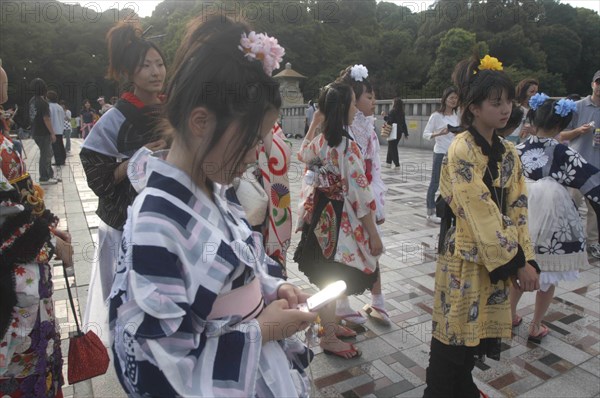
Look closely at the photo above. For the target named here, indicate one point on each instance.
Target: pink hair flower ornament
(264, 48)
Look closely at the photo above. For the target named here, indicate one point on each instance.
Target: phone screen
(325, 296)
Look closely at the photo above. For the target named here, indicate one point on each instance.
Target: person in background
(86, 118)
(42, 131)
(104, 106)
(113, 141)
(57, 117)
(583, 134)
(67, 127)
(396, 116)
(526, 89)
(437, 128)
(310, 113)
(76, 126)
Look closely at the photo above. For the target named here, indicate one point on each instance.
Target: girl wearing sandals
(554, 222)
(194, 310)
(362, 131)
(485, 240)
(107, 150)
(341, 241)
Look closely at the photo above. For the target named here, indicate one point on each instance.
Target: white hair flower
(263, 48)
(359, 72)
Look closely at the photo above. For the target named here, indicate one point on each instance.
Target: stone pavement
(565, 364)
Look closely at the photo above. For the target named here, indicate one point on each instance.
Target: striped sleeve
(177, 271)
(99, 170)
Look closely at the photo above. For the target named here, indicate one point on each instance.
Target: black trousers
(58, 147)
(450, 372)
(392, 153)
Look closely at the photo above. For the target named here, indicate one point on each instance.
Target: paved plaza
(394, 358)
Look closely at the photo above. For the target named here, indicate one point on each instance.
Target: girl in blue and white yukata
(554, 222)
(196, 307)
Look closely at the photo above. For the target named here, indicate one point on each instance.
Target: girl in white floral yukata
(362, 131)
(340, 241)
(554, 223)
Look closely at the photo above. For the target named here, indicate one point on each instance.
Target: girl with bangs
(195, 308)
(340, 240)
(485, 246)
(106, 153)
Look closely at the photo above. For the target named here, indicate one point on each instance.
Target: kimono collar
(362, 127)
(218, 203)
(493, 152)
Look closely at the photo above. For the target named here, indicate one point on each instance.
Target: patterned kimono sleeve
(356, 186)
(481, 236)
(517, 207)
(168, 346)
(378, 187)
(309, 150)
(574, 171)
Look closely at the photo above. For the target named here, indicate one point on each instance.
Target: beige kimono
(467, 306)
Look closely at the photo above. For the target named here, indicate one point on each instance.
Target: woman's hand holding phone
(278, 321)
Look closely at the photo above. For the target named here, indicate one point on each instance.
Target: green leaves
(410, 51)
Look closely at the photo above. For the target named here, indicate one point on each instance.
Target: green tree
(515, 47)
(562, 47)
(456, 45)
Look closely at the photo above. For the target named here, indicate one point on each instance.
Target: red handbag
(87, 355)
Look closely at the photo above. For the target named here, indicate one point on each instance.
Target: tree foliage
(409, 51)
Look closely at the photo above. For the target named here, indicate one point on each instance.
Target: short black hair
(545, 117)
(52, 96)
(38, 86)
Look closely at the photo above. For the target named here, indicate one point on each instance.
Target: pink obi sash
(246, 301)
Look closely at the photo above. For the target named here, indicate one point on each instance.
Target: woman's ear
(200, 122)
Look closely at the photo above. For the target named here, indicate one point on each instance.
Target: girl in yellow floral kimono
(484, 236)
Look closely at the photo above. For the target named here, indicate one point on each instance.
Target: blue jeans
(67, 134)
(45, 145)
(435, 180)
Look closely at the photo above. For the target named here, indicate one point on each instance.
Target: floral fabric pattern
(555, 225)
(346, 164)
(12, 164)
(363, 132)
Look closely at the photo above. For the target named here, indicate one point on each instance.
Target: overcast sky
(144, 8)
